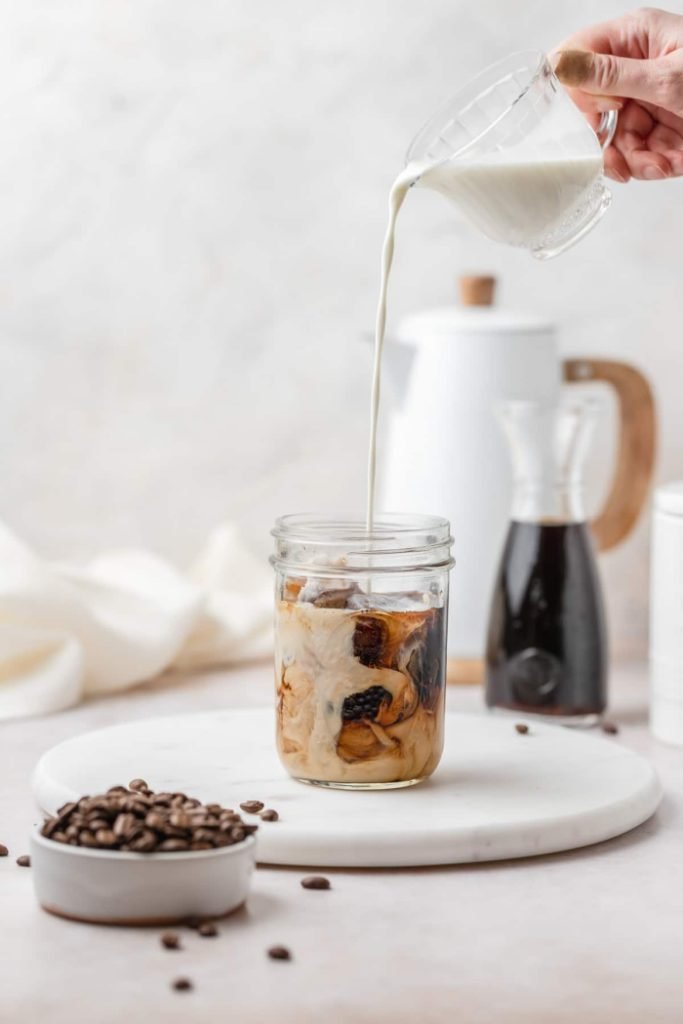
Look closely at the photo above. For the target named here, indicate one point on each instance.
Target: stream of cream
(399, 191)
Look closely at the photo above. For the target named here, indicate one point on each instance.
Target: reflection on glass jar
(360, 656)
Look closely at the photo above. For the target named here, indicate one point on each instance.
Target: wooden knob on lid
(477, 290)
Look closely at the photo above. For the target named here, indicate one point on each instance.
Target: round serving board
(496, 794)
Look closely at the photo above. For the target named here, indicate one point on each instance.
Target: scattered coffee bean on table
(522, 728)
(279, 953)
(170, 940)
(182, 984)
(24, 861)
(269, 815)
(611, 728)
(207, 929)
(3, 850)
(252, 806)
(315, 882)
(137, 820)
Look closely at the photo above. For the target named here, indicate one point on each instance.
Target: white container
(666, 615)
(446, 452)
(114, 887)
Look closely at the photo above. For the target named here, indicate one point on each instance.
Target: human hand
(633, 64)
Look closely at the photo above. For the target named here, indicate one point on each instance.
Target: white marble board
(497, 794)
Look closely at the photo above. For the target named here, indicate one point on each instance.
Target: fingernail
(572, 67)
(653, 173)
(604, 104)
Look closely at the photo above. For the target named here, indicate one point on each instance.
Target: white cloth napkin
(68, 632)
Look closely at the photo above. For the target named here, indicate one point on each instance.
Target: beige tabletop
(595, 935)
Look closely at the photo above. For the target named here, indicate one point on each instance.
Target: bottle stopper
(476, 290)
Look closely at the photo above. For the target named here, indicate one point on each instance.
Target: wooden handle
(465, 671)
(637, 445)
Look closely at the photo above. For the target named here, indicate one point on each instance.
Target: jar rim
(339, 545)
(321, 528)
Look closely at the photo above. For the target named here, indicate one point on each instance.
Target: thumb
(605, 75)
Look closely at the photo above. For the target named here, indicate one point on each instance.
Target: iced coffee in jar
(360, 648)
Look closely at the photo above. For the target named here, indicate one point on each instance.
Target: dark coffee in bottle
(547, 646)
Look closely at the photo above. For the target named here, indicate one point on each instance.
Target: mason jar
(360, 648)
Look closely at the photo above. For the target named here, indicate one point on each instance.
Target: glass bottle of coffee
(547, 645)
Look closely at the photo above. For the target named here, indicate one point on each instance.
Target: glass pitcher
(547, 645)
(517, 156)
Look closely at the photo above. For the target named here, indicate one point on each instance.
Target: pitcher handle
(606, 128)
(636, 450)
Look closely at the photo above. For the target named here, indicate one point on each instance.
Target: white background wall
(192, 200)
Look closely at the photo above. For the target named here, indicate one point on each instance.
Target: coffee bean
(203, 835)
(145, 842)
(252, 806)
(86, 838)
(201, 846)
(105, 837)
(611, 728)
(162, 799)
(66, 810)
(138, 785)
(97, 824)
(207, 929)
(214, 808)
(180, 820)
(156, 821)
(121, 790)
(228, 821)
(173, 845)
(59, 837)
(3, 850)
(132, 805)
(182, 984)
(269, 815)
(96, 803)
(124, 824)
(238, 834)
(315, 882)
(24, 861)
(279, 953)
(170, 940)
(522, 728)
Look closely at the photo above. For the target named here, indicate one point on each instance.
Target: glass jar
(360, 648)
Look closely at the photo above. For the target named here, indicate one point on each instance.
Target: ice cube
(339, 597)
(414, 601)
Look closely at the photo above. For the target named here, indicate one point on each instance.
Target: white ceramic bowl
(109, 887)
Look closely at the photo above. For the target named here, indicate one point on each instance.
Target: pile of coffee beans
(133, 818)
